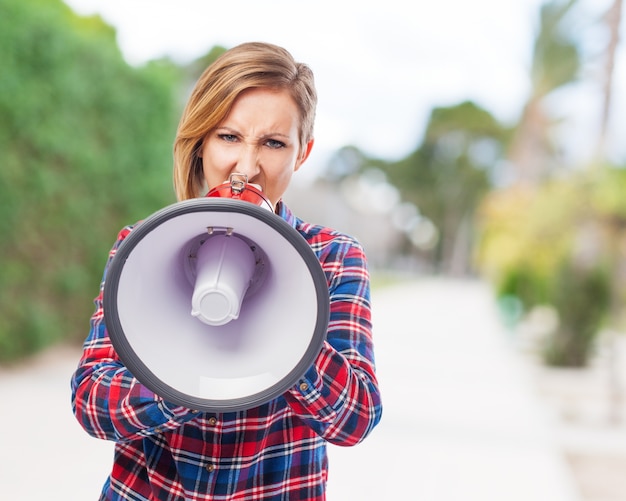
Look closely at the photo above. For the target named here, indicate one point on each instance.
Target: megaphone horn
(216, 304)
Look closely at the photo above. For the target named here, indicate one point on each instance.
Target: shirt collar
(284, 212)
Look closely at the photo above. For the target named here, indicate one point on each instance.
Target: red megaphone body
(237, 188)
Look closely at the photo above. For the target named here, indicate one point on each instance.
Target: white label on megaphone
(224, 268)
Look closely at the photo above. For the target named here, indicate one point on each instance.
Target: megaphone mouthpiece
(224, 269)
(238, 188)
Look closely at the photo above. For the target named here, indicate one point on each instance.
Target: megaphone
(217, 304)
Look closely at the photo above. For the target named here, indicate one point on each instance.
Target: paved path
(461, 422)
(44, 454)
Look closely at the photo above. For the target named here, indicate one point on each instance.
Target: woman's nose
(248, 163)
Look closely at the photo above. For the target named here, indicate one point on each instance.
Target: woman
(251, 113)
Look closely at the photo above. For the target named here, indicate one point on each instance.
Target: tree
(447, 176)
(612, 20)
(556, 62)
(85, 148)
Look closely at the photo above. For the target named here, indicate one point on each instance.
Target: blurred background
(462, 143)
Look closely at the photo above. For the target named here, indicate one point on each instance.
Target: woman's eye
(229, 138)
(274, 144)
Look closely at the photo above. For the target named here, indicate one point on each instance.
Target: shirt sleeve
(339, 396)
(107, 400)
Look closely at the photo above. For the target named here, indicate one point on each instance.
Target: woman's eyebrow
(265, 135)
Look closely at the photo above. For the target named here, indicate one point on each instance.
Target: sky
(380, 66)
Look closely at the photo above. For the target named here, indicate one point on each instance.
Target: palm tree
(612, 20)
(555, 63)
(617, 393)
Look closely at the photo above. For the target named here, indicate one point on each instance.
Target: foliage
(556, 57)
(555, 64)
(526, 233)
(551, 245)
(85, 148)
(548, 239)
(447, 176)
(607, 187)
(581, 297)
(197, 67)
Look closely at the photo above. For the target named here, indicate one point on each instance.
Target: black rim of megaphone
(133, 362)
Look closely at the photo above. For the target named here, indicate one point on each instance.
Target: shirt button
(210, 468)
(212, 421)
(304, 386)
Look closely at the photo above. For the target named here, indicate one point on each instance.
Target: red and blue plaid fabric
(273, 452)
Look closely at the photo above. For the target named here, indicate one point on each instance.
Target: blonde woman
(252, 113)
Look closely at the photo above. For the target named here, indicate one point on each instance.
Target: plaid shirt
(276, 451)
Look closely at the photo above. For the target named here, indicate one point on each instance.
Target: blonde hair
(246, 66)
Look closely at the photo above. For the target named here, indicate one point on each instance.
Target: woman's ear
(304, 154)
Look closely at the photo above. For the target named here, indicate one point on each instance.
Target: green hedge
(85, 147)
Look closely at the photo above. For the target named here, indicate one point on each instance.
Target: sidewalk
(44, 453)
(461, 421)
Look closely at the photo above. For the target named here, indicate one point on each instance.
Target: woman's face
(258, 138)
